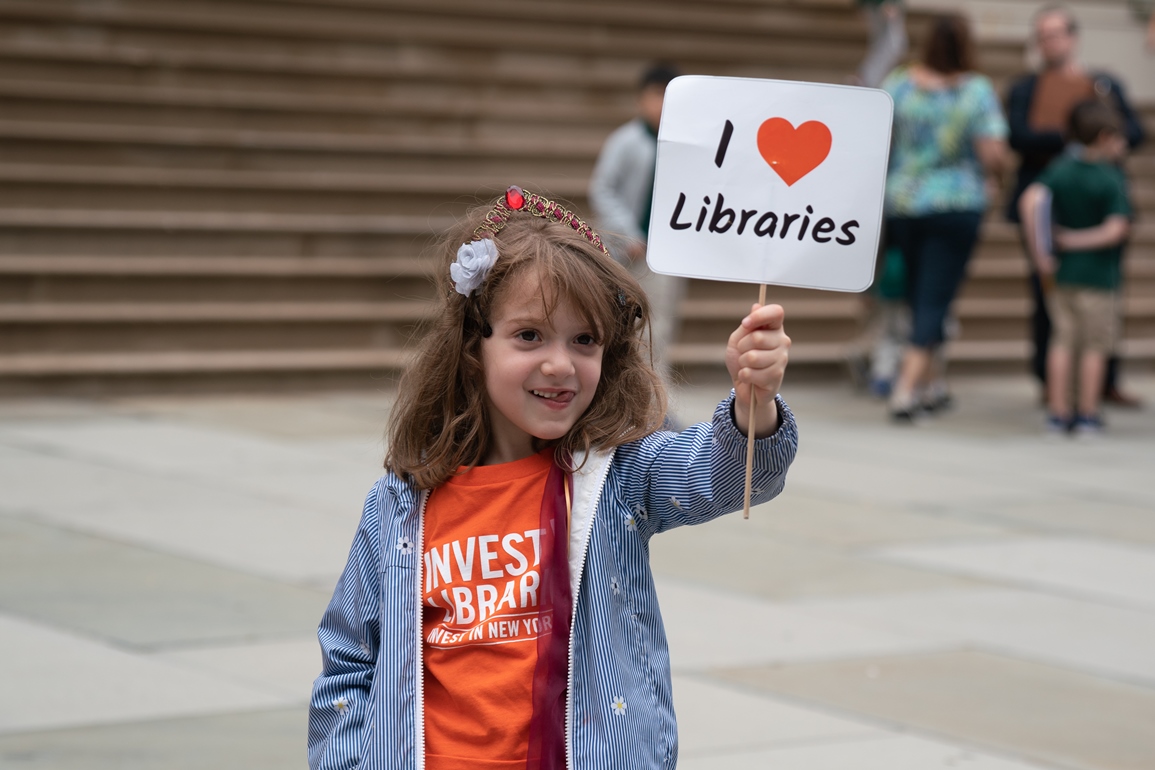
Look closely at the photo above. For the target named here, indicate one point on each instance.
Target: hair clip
(474, 261)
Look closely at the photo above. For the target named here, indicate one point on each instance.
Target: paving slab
(293, 417)
(710, 627)
(277, 469)
(730, 554)
(889, 753)
(189, 517)
(1109, 571)
(1101, 639)
(286, 668)
(139, 597)
(1023, 708)
(805, 516)
(1100, 517)
(717, 719)
(53, 679)
(252, 740)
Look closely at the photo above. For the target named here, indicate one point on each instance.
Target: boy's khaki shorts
(1084, 318)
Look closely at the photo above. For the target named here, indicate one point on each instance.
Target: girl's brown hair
(440, 421)
(948, 48)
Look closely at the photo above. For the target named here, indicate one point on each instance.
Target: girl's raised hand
(756, 357)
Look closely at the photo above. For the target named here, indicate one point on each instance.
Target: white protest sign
(769, 181)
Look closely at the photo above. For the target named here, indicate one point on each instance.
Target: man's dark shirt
(1039, 148)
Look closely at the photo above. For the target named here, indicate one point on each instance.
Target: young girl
(497, 610)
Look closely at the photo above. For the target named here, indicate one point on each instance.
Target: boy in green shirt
(1085, 195)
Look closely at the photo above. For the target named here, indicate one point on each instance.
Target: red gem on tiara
(514, 197)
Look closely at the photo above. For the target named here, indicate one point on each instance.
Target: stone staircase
(243, 193)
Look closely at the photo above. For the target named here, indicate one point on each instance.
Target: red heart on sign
(793, 152)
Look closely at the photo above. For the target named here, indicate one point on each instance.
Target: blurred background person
(887, 42)
(1085, 197)
(888, 324)
(1038, 110)
(949, 138)
(621, 193)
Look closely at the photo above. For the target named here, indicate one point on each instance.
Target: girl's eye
(527, 335)
(586, 339)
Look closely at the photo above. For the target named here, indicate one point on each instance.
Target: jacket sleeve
(1132, 123)
(1023, 138)
(700, 474)
(349, 634)
(613, 212)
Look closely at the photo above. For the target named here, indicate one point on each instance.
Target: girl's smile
(540, 373)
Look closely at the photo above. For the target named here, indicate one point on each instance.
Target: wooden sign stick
(750, 429)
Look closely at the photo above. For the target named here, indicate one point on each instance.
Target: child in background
(621, 193)
(1088, 203)
(497, 609)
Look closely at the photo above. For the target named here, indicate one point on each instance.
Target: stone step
(120, 268)
(510, 24)
(244, 159)
(75, 145)
(26, 144)
(193, 331)
(52, 57)
(339, 192)
(137, 144)
(959, 351)
(691, 37)
(854, 307)
(776, 42)
(194, 362)
(112, 233)
(118, 187)
(185, 289)
(191, 311)
(474, 116)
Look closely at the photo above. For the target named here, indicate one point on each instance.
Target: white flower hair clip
(474, 261)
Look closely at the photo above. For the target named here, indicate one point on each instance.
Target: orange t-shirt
(480, 621)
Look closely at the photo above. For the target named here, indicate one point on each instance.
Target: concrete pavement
(964, 593)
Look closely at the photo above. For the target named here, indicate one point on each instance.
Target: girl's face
(540, 374)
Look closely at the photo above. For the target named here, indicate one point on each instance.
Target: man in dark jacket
(1038, 107)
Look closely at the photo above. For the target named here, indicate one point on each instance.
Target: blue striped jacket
(366, 709)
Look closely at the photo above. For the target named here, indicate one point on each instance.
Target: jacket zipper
(605, 472)
(419, 711)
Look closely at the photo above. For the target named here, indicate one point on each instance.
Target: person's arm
(994, 159)
(349, 634)
(1023, 138)
(988, 131)
(1113, 231)
(1034, 206)
(699, 474)
(1132, 123)
(992, 154)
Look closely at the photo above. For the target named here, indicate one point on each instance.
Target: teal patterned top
(933, 164)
